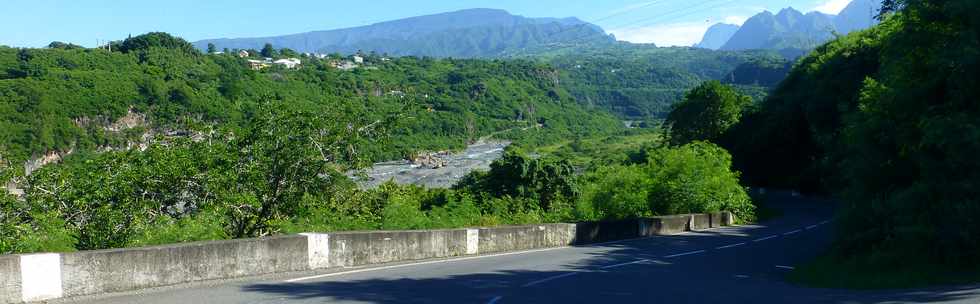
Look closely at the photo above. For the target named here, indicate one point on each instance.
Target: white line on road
(495, 299)
(624, 264)
(683, 254)
(785, 267)
(792, 232)
(766, 238)
(811, 227)
(730, 246)
(550, 279)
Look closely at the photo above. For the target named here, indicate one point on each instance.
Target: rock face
(717, 35)
(787, 29)
(793, 30)
(460, 34)
(433, 160)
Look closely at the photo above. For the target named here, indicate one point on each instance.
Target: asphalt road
(745, 264)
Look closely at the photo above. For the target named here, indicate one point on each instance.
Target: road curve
(745, 264)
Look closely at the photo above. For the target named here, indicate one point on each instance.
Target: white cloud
(736, 20)
(832, 7)
(673, 34)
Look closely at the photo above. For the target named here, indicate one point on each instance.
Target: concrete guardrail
(46, 276)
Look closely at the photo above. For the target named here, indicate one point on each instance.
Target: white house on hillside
(290, 63)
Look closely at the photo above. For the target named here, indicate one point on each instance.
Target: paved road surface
(730, 265)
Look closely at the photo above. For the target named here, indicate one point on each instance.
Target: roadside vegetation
(171, 145)
(887, 120)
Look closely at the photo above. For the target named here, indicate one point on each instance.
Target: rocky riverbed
(434, 170)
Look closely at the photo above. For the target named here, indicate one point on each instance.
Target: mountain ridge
(791, 29)
(481, 33)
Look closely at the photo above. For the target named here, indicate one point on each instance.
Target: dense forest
(885, 119)
(73, 99)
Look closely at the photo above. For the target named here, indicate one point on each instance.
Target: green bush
(402, 213)
(204, 226)
(696, 178)
(617, 192)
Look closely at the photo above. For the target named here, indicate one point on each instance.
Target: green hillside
(71, 99)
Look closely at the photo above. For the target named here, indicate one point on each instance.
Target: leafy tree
(155, 39)
(64, 46)
(516, 175)
(212, 49)
(285, 155)
(288, 53)
(706, 112)
(268, 51)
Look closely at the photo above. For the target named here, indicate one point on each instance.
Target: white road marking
(415, 264)
(811, 227)
(624, 264)
(792, 232)
(824, 222)
(785, 267)
(730, 246)
(766, 238)
(741, 276)
(495, 299)
(683, 254)
(550, 279)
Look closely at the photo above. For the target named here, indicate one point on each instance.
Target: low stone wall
(664, 225)
(92, 272)
(700, 222)
(10, 279)
(515, 238)
(377, 247)
(39, 277)
(604, 231)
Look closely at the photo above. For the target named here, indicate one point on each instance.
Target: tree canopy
(706, 112)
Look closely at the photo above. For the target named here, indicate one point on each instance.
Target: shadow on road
(745, 274)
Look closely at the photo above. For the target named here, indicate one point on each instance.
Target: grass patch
(862, 272)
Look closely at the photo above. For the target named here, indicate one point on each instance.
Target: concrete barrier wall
(515, 238)
(38, 277)
(664, 225)
(376, 247)
(92, 272)
(700, 222)
(10, 279)
(604, 231)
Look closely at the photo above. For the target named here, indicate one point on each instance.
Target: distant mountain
(466, 33)
(858, 15)
(717, 35)
(792, 31)
(787, 29)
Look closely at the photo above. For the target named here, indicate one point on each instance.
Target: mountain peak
(717, 35)
(791, 29)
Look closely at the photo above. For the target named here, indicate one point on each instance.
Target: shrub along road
(746, 264)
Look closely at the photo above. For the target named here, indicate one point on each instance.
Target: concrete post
(472, 241)
(318, 250)
(40, 277)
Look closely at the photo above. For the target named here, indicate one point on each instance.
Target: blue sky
(35, 23)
